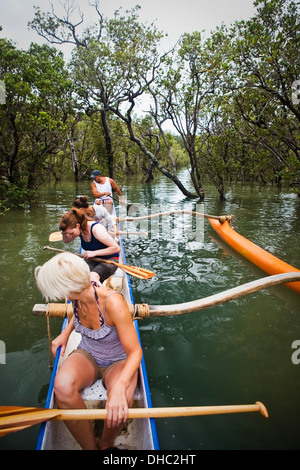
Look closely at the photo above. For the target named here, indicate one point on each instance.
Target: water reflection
(235, 353)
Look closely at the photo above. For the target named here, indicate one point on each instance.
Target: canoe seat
(115, 282)
(97, 393)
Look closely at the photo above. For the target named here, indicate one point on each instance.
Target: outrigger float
(269, 263)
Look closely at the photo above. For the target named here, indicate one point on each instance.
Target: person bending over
(97, 212)
(109, 348)
(95, 240)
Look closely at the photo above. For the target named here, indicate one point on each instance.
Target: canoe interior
(138, 434)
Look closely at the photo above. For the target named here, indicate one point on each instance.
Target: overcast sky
(171, 16)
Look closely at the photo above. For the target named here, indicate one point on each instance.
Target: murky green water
(236, 353)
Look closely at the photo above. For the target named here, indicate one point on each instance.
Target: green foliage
(229, 97)
(34, 117)
(13, 196)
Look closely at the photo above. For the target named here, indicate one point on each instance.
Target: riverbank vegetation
(224, 104)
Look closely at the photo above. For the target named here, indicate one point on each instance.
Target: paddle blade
(16, 418)
(15, 410)
(6, 431)
(55, 237)
(138, 272)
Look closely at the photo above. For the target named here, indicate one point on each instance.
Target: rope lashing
(49, 337)
(56, 310)
(139, 311)
(60, 310)
(223, 218)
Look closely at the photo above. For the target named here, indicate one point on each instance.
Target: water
(236, 353)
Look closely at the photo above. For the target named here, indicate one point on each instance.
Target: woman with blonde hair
(109, 348)
(95, 241)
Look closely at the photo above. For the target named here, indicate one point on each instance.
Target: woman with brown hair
(95, 241)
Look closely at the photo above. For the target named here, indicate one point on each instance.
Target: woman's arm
(117, 189)
(103, 236)
(62, 339)
(118, 315)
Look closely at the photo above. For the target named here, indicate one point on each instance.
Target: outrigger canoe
(258, 256)
(138, 434)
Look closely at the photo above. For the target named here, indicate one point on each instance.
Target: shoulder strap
(98, 306)
(92, 226)
(111, 293)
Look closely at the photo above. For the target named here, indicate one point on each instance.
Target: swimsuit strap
(111, 293)
(98, 306)
(102, 318)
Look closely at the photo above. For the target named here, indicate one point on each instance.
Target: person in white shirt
(102, 188)
(98, 212)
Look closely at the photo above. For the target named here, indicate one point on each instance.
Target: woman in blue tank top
(95, 240)
(109, 348)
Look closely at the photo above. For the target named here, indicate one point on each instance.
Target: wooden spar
(222, 297)
(145, 310)
(222, 225)
(221, 218)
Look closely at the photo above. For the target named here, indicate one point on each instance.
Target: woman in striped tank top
(109, 348)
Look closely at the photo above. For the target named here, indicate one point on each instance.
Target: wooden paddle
(16, 418)
(57, 236)
(132, 270)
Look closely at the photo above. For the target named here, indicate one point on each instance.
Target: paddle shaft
(14, 419)
(102, 260)
(165, 412)
(133, 270)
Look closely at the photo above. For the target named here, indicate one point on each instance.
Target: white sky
(171, 16)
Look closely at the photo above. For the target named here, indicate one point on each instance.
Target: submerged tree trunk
(108, 144)
(159, 166)
(149, 174)
(73, 156)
